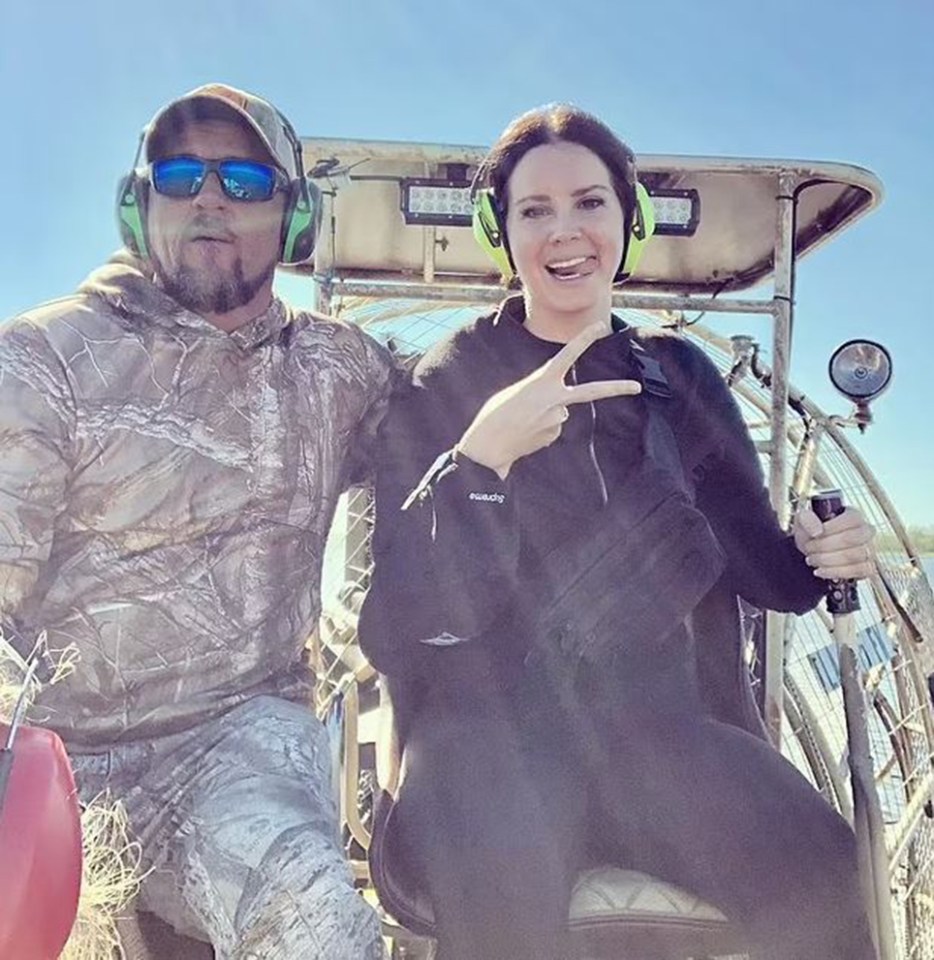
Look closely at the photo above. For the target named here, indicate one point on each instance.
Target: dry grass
(110, 879)
(14, 671)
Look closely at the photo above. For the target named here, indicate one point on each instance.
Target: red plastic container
(40, 848)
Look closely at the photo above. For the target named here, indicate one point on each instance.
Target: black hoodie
(450, 566)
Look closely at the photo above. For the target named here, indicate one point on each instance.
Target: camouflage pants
(238, 827)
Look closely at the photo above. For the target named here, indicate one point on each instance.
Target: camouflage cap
(219, 101)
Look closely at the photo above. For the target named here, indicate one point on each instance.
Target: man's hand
(837, 549)
(528, 415)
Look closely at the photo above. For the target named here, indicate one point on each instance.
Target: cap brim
(193, 109)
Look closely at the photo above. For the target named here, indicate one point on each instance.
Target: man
(173, 441)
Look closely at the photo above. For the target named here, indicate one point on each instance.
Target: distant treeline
(921, 537)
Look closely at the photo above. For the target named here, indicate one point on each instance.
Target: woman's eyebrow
(536, 197)
(583, 190)
(544, 197)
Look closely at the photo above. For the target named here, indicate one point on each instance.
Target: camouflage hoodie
(165, 494)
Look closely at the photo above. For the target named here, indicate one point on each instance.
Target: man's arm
(36, 437)
(381, 375)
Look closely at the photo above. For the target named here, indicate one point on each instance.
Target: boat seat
(615, 913)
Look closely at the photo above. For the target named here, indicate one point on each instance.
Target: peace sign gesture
(528, 415)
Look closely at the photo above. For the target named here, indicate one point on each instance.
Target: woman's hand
(528, 415)
(837, 549)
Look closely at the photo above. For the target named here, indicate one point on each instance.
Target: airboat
(843, 692)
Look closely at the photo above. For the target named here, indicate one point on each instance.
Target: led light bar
(443, 203)
(677, 212)
(446, 203)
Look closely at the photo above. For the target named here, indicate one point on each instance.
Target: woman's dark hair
(559, 123)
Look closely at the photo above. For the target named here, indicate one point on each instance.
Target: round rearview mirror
(861, 370)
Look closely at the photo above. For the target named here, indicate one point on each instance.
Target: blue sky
(818, 80)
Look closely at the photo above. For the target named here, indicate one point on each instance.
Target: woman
(546, 596)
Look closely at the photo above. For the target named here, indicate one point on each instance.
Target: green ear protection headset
(300, 222)
(489, 225)
(132, 193)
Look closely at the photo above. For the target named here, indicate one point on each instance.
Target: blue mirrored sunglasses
(246, 180)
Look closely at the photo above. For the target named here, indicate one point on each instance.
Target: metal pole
(429, 243)
(782, 313)
(323, 277)
(323, 289)
(463, 291)
(872, 859)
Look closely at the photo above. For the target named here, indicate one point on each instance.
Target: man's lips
(209, 230)
(210, 237)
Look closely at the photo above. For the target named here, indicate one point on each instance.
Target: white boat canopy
(722, 238)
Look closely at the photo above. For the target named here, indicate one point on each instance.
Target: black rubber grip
(842, 595)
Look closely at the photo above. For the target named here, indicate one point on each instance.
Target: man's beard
(209, 292)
